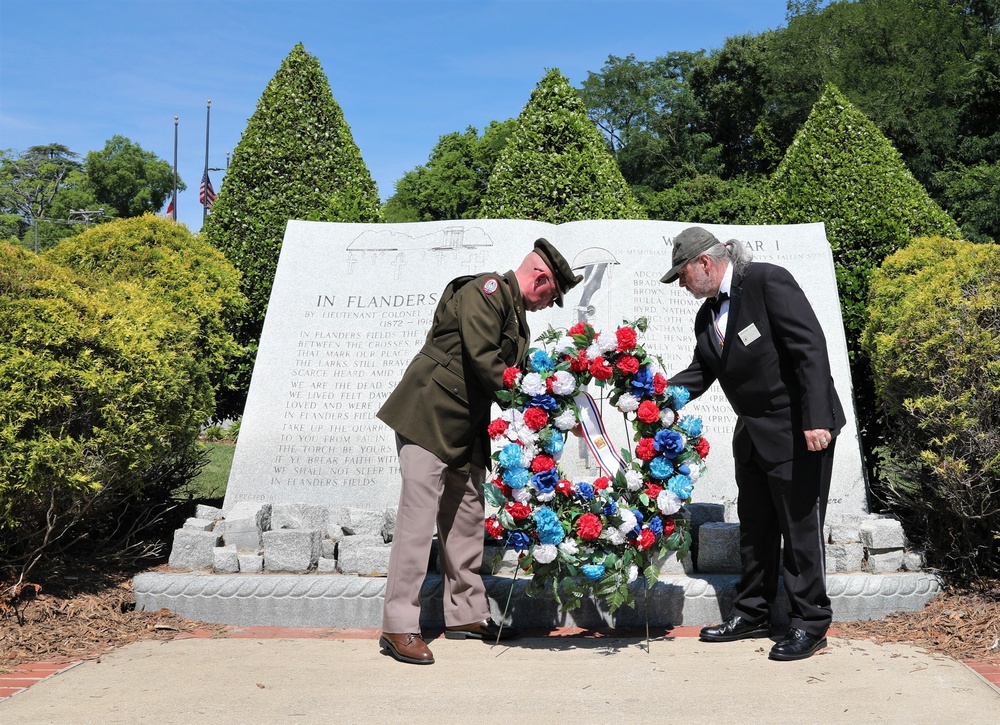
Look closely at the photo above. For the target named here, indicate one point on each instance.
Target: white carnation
(544, 497)
(605, 342)
(616, 537)
(565, 344)
(528, 453)
(695, 473)
(521, 495)
(628, 520)
(568, 546)
(544, 553)
(533, 384)
(628, 403)
(594, 351)
(633, 573)
(633, 479)
(563, 383)
(565, 420)
(668, 417)
(668, 502)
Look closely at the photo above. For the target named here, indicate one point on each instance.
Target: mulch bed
(90, 615)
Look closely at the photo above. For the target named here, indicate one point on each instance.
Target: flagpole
(173, 203)
(204, 178)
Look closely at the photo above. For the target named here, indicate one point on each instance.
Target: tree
(451, 184)
(555, 166)
(29, 186)
(295, 160)
(125, 178)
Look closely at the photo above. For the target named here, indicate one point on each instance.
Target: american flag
(206, 194)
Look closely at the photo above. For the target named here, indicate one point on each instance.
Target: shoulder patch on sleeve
(491, 285)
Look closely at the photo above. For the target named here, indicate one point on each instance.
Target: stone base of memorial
(288, 565)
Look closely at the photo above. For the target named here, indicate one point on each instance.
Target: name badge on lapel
(749, 333)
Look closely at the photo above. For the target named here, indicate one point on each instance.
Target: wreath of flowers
(594, 536)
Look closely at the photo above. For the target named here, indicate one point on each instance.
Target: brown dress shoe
(485, 630)
(406, 648)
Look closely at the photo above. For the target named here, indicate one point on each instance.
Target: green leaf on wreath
(494, 496)
(651, 574)
(506, 520)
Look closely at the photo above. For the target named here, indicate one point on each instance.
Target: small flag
(170, 210)
(206, 194)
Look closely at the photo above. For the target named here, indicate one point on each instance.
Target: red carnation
(580, 328)
(645, 449)
(645, 540)
(579, 363)
(497, 428)
(518, 511)
(602, 483)
(702, 447)
(549, 382)
(542, 463)
(589, 527)
(535, 418)
(493, 528)
(600, 369)
(668, 525)
(564, 487)
(653, 490)
(648, 412)
(659, 383)
(628, 364)
(626, 338)
(510, 377)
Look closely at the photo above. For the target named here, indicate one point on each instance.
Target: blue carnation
(540, 361)
(593, 571)
(518, 540)
(550, 531)
(610, 509)
(660, 467)
(680, 396)
(656, 525)
(511, 456)
(669, 443)
(691, 425)
(516, 477)
(684, 469)
(545, 481)
(555, 444)
(585, 491)
(641, 385)
(545, 402)
(681, 486)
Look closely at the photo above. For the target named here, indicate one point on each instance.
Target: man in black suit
(758, 336)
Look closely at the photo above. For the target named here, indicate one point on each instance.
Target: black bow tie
(716, 302)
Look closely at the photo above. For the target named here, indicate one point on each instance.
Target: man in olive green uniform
(440, 411)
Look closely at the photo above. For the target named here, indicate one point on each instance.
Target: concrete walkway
(329, 676)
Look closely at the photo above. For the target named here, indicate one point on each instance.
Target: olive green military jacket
(443, 401)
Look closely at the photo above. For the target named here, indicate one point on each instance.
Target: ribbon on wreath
(595, 435)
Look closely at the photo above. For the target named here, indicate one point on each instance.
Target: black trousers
(784, 502)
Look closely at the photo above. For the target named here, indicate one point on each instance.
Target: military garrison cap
(690, 243)
(561, 271)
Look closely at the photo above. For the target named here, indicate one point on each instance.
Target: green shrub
(295, 160)
(555, 166)
(933, 335)
(105, 382)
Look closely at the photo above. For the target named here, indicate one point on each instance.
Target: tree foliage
(105, 380)
(934, 339)
(296, 159)
(842, 171)
(131, 181)
(451, 184)
(555, 166)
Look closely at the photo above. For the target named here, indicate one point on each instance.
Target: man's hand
(818, 439)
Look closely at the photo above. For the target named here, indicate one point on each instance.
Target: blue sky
(405, 72)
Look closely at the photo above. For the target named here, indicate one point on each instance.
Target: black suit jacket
(779, 384)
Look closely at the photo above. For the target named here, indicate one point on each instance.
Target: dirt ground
(85, 615)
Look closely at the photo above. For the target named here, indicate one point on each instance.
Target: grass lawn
(211, 480)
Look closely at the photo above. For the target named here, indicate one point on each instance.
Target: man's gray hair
(735, 251)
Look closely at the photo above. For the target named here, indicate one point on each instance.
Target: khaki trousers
(432, 493)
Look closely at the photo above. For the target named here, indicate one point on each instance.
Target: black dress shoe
(485, 630)
(733, 629)
(797, 645)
